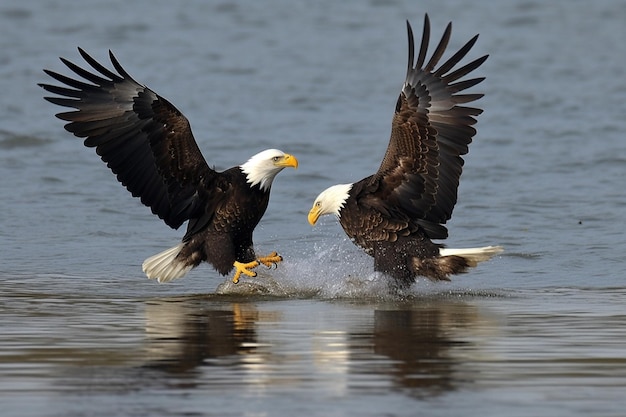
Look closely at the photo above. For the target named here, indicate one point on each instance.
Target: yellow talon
(271, 260)
(245, 269)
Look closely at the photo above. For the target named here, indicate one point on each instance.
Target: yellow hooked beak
(314, 214)
(287, 161)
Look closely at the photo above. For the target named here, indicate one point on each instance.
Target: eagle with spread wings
(396, 213)
(149, 146)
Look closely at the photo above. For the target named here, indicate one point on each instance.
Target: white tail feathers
(164, 266)
(473, 255)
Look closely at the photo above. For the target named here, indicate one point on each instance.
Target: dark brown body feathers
(394, 214)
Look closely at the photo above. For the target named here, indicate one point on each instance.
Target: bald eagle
(395, 213)
(149, 146)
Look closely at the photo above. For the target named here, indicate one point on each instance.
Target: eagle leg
(271, 260)
(245, 269)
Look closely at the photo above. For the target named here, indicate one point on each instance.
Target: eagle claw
(245, 269)
(271, 260)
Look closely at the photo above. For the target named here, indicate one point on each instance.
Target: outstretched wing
(143, 138)
(431, 129)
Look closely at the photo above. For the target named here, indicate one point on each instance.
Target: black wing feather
(142, 137)
(419, 176)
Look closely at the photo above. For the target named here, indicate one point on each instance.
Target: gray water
(539, 330)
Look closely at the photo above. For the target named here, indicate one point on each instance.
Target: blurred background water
(540, 330)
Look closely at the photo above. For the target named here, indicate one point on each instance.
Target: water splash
(329, 271)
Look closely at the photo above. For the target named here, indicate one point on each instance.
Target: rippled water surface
(539, 330)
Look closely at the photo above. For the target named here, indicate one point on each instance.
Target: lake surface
(540, 330)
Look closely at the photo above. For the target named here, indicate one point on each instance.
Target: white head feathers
(264, 166)
(330, 201)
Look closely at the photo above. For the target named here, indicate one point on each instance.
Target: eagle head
(330, 201)
(263, 167)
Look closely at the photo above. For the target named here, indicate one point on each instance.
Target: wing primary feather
(63, 102)
(466, 98)
(423, 45)
(464, 70)
(464, 85)
(409, 32)
(69, 81)
(96, 79)
(120, 69)
(454, 59)
(441, 48)
(62, 91)
(101, 68)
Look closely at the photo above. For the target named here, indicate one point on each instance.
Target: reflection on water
(565, 349)
(411, 349)
(421, 345)
(183, 334)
